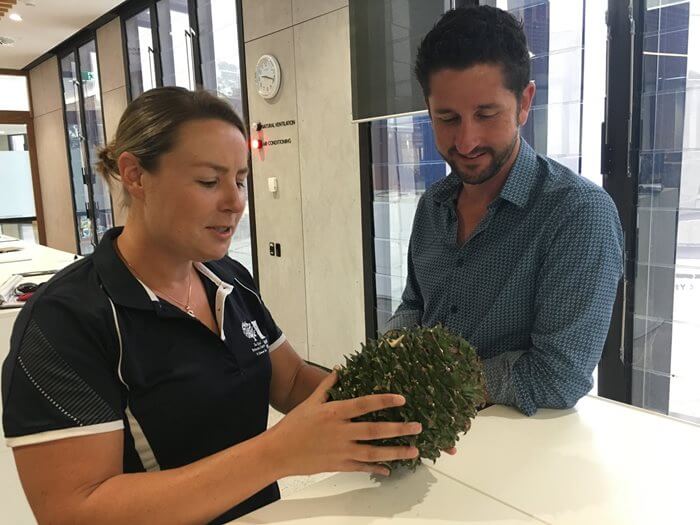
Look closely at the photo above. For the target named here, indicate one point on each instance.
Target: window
(140, 53)
(15, 96)
(16, 197)
(85, 135)
(405, 163)
(564, 124)
(196, 44)
(176, 43)
(567, 47)
(221, 72)
(666, 366)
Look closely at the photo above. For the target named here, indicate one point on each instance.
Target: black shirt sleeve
(60, 377)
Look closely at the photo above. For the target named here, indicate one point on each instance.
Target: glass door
(94, 138)
(85, 135)
(221, 72)
(665, 358)
(141, 55)
(192, 44)
(77, 155)
(176, 39)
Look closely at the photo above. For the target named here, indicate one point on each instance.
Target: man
(512, 250)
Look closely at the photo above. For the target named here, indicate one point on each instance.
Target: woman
(139, 378)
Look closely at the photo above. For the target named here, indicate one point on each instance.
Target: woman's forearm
(305, 382)
(195, 493)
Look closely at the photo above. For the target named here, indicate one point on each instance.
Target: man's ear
(131, 173)
(526, 98)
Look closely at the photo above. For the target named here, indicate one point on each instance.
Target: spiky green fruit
(437, 372)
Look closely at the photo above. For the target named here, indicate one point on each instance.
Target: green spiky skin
(437, 372)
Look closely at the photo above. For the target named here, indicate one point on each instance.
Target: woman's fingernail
(417, 428)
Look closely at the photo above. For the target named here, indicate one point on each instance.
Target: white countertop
(601, 463)
(32, 257)
(425, 497)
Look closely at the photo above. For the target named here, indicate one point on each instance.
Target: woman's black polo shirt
(179, 391)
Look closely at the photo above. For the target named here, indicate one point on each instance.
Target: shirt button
(454, 309)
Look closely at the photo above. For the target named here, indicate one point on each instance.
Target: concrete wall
(315, 290)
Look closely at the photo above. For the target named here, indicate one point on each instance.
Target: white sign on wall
(16, 194)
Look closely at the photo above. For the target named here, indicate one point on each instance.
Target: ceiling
(45, 24)
(6, 6)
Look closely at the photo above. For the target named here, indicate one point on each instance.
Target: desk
(600, 463)
(32, 257)
(425, 497)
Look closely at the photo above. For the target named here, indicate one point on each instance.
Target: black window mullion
(155, 38)
(195, 49)
(87, 169)
(68, 152)
(620, 166)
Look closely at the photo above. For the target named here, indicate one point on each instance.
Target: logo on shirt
(252, 331)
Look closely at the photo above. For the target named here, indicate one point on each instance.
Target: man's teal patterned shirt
(533, 287)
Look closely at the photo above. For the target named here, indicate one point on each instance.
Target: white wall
(315, 290)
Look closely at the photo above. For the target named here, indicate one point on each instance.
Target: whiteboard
(16, 193)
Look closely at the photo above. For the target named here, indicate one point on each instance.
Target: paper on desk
(7, 292)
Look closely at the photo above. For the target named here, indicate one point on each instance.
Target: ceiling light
(15, 17)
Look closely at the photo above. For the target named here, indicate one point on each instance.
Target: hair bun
(107, 164)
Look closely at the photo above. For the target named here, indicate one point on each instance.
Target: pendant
(190, 312)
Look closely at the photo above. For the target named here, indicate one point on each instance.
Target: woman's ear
(131, 173)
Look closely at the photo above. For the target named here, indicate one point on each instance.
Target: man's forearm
(529, 380)
(498, 376)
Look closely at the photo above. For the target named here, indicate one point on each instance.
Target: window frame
(620, 141)
(72, 47)
(135, 7)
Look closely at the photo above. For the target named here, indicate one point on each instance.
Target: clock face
(267, 76)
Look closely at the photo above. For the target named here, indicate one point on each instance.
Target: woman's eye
(241, 185)
(207, 183)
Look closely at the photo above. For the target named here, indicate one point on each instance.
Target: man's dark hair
(475, 35)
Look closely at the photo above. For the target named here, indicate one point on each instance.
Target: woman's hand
(320, 436)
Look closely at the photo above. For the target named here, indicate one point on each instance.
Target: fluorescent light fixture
(16, 17)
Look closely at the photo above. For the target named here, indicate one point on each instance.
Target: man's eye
(449, 119)
(207, 183)
(486, 116)
(241, 185)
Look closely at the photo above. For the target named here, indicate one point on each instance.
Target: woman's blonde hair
(149, 126)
